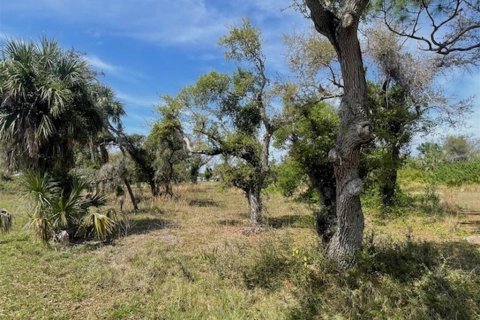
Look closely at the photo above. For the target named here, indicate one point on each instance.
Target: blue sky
(149, 48)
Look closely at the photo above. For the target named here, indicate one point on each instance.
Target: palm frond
(101, 224)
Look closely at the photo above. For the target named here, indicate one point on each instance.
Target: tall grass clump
(405, 279)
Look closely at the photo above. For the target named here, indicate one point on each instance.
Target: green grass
(190, 259)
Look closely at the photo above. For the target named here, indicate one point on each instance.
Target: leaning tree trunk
(354, 127)
(130, 193)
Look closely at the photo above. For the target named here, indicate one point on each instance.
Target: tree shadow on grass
(203, 203)
(230, 222)
(292, 221)
(146, 210)
(146, 225)
(409, 261)
(471, 224)
(137, 226)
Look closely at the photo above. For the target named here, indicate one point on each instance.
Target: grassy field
(192, 258)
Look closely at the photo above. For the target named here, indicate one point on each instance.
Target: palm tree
(49, 104)
(112, 111)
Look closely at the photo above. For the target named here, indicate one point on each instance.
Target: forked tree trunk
(354, 127)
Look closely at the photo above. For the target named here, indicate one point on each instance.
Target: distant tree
(208, 173)
(231, 116)
(116, 173)
(457, 148)
(431, 155)
(195, 163)
(166, 139)
(405, 102)
(143, 155)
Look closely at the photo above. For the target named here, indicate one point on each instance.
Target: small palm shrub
(54, 209)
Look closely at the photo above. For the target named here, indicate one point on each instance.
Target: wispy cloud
(116, 71)
(137, 101)
(164, 22)
(102, 65)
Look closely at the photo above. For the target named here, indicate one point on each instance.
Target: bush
(391, 280)
(55, 209)
(458, 173)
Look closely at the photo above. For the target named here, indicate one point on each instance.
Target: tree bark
(153, 187)
(255, 205)
(354, 127)
(254, 193)
(130, 193)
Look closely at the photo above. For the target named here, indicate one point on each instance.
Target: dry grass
(188, 258)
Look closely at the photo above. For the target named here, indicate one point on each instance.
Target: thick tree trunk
(130, 193)
(354, 127)
(354, 131)
(255, 205)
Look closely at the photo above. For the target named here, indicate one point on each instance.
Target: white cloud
(110, 69)
(101, 65)
(138, 101)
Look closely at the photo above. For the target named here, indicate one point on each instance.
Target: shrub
(55, 209)
(458, 173)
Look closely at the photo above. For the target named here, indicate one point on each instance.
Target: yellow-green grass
(192, 257)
